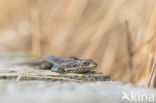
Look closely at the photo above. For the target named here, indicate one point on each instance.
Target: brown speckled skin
(63, 65)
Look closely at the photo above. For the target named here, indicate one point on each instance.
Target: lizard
(63, 65)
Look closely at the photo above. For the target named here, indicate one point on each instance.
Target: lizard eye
(85, 63)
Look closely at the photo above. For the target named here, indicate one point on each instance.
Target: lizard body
(64, 65)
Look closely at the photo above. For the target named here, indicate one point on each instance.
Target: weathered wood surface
(51, 76)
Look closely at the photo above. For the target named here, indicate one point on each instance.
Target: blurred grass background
(118, 34)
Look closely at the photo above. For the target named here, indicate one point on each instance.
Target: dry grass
(152, 73)
(93, 29)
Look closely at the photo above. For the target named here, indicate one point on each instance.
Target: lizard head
(78, 66)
